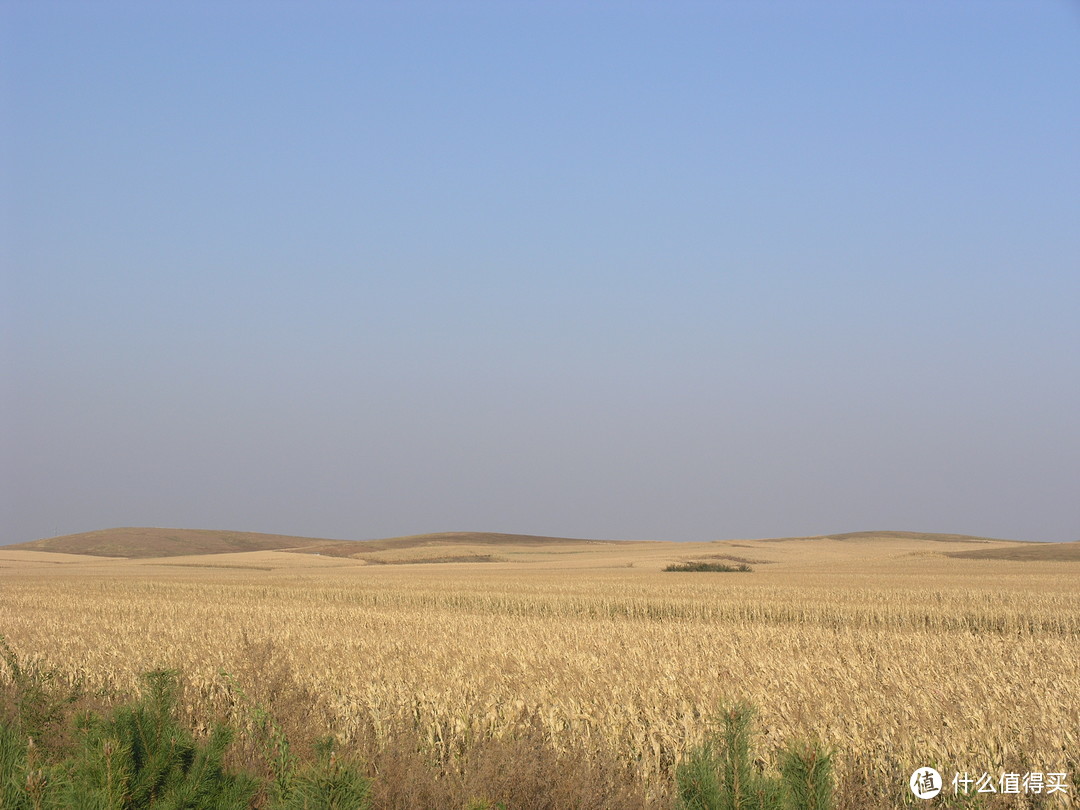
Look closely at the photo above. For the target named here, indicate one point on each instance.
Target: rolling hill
(1026, 552)
(347, 548)
(145, 542)
(444, 547)
(139, 542)
(935, 537)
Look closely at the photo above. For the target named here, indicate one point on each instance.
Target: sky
(629, 270)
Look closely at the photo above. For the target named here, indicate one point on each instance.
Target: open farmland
(883, 646)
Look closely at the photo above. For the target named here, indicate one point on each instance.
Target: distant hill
(145, 543)
(135, 543)
(935, 537)
(892, 536)
(351, 549)
(1024, 552)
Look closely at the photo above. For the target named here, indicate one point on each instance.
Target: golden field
(881, 646)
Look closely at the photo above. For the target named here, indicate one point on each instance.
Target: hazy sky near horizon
(665, 270)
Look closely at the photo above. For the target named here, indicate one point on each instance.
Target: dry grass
(881, 647)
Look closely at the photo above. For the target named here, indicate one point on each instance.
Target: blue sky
(670, 270)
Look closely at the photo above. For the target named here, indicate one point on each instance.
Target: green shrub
(720, 774)
(15, 776)
(741, 568)
(807, 775)
(327, 784)
(38, 698)
(140, 756)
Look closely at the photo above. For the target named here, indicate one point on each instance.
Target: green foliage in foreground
(742, 568)
(721, 774)
(140, 756)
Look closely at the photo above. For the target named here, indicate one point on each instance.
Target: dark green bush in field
(137, 757)
(328, 784)
(140, 756)
(720, 775)
(39, 699)
(742, 568)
